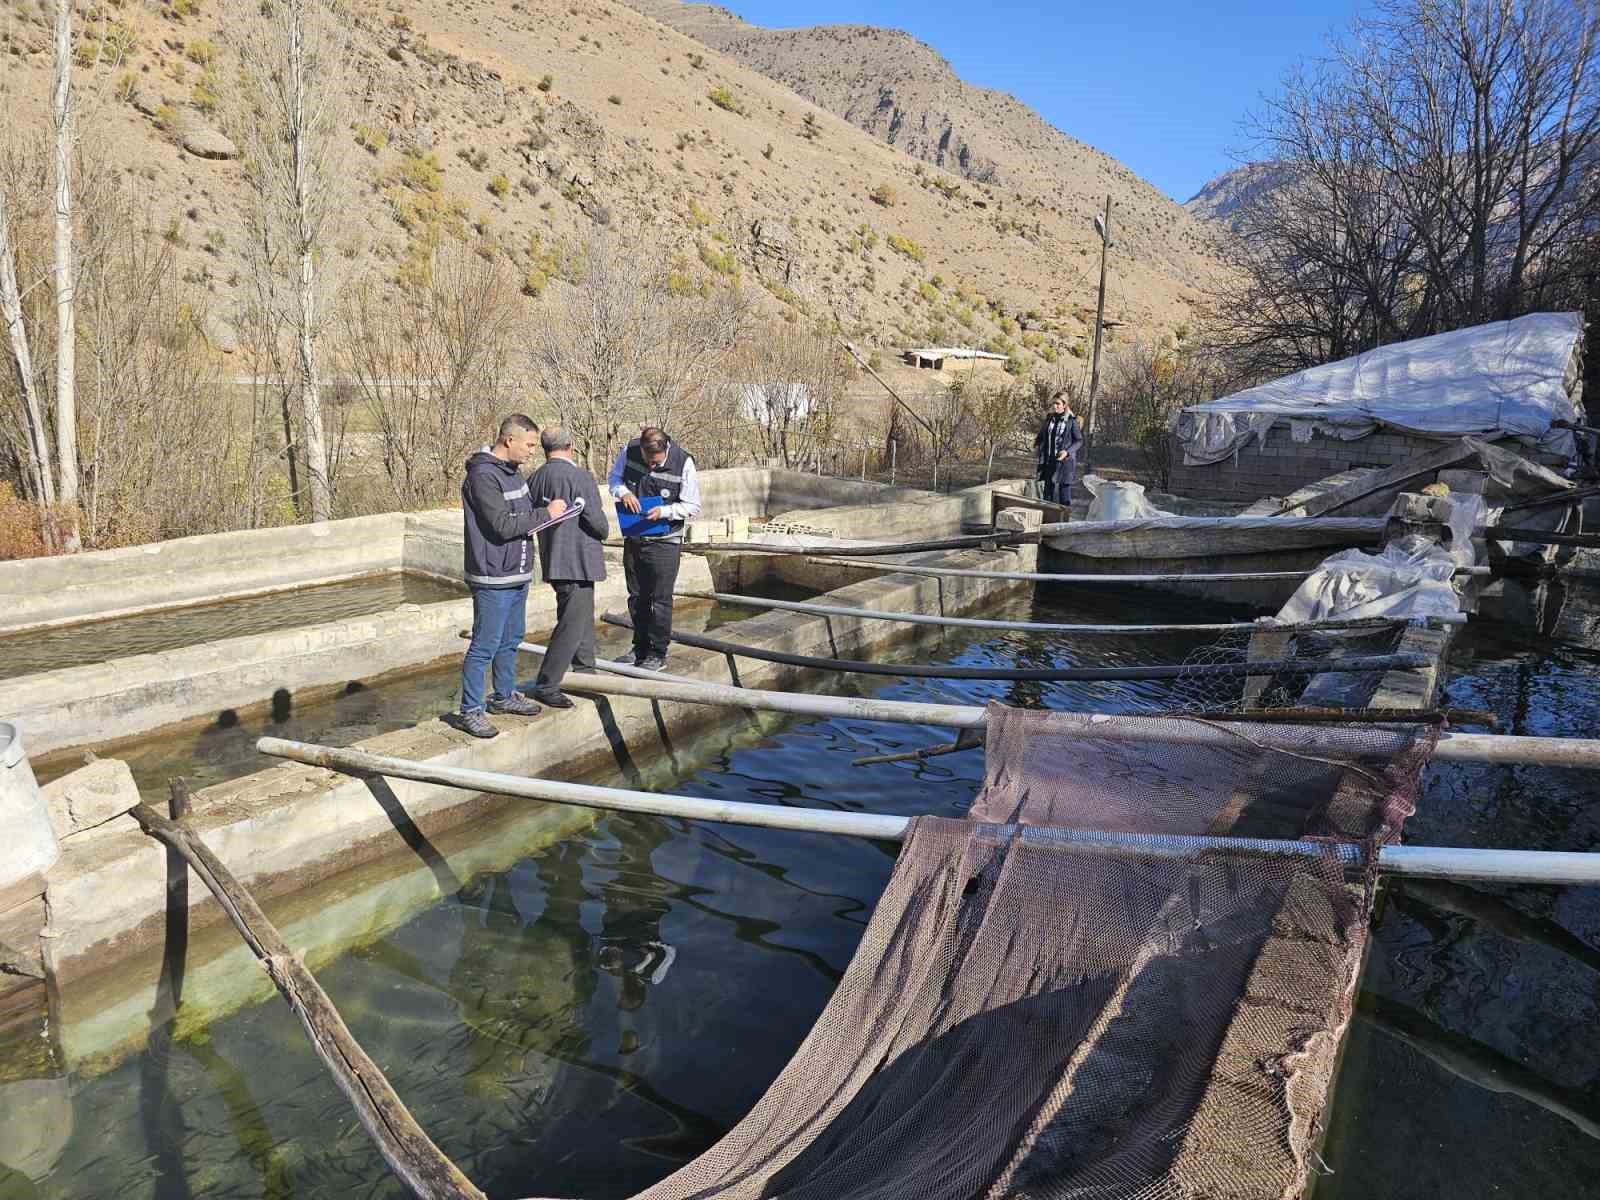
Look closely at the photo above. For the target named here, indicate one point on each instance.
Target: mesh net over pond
(1028, 1017)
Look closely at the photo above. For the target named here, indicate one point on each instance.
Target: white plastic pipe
(1507, 866)
(1578, 753)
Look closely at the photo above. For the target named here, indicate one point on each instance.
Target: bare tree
(1146, 388)
(289, 116)
(791, 381)
(61, 102)
(1440, 166)
(40, 472)
(592, 351)
(1000, 412)
(695, 335)
(433, 366)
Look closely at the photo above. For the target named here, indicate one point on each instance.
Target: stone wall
(1277, 465)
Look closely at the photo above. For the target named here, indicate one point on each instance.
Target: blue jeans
(499, 619)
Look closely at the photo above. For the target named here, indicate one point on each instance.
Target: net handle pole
(836, 610)
(1519, 866)
(1573, 753)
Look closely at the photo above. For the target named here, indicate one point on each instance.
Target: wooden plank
(1395, 476)
(408, 1150)
(1211, 537)
(1000, 501)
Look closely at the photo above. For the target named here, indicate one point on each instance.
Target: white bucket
(29, 840)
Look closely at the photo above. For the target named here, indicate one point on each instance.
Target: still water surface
(172, 629)
(587, 1020)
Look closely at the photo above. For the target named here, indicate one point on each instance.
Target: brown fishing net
(1028, 1017)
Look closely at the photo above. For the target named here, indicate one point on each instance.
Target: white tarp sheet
(1511, 377)
(1114, 500)
(1411, 577)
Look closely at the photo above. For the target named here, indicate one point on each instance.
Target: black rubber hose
(975, 541)
(1502, 533)
(1282, 666)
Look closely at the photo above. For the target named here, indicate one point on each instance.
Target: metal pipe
(1575, 753)
(770, 816)
(1506, 866)
(1041, 577)
(836, 610)
(1277, 666)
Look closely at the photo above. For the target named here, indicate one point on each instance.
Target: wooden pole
(894, 395)
(1099, 330)
(408, 1150)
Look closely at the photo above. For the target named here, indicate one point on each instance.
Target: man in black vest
(653, 466)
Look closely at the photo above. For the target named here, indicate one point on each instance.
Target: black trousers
(573, 639)
(651, 568)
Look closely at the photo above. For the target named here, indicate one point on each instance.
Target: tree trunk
(316, 447)
(40, 470)
(66, 322)
(311, 435)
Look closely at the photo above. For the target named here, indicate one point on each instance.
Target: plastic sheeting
(1510, 377)
(1411, 577)
(1114, 500)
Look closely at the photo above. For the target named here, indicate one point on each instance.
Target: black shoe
(627, 659)
(475, 723)
(551, 698)
(581, 669)
(651, 662)
(516, 705)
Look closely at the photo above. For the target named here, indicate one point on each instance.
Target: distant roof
(1507, 376)
(952, 352)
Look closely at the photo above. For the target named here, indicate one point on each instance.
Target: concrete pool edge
(288, 827)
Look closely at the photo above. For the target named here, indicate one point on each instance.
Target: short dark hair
(652, 441)
(516, 423)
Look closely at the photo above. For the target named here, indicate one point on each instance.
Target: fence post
(894, 448)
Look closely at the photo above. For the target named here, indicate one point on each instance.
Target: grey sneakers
(475, 723)
(651, 662)
(516, 704)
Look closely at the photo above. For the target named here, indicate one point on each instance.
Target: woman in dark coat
(1056, 445)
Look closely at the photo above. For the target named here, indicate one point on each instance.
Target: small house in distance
(1521, 379)
(933, 358)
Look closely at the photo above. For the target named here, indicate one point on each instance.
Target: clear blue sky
(1159, 84)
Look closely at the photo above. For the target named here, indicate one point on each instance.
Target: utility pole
(1103, 227)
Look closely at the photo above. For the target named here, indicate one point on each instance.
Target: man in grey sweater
(573, 562)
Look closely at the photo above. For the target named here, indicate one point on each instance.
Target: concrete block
(85, 802)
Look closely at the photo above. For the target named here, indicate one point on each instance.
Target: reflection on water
(151, 633)
(1472, 1068)
(583, 1022)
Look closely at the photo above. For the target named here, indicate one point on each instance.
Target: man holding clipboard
(657, 491)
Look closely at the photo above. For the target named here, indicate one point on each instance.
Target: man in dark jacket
(1057, 444)
(653, 472)
(573, 562)
(498, 519)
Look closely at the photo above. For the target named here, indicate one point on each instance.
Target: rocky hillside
(530, 125)
(1219, 202)
(905, 93)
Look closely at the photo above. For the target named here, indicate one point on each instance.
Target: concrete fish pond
(1150, 921)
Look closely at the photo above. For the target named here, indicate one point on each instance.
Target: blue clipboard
(642, 524)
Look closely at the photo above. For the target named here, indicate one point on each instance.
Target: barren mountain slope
(528, 125)
(1220, 200)
(905, 92)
